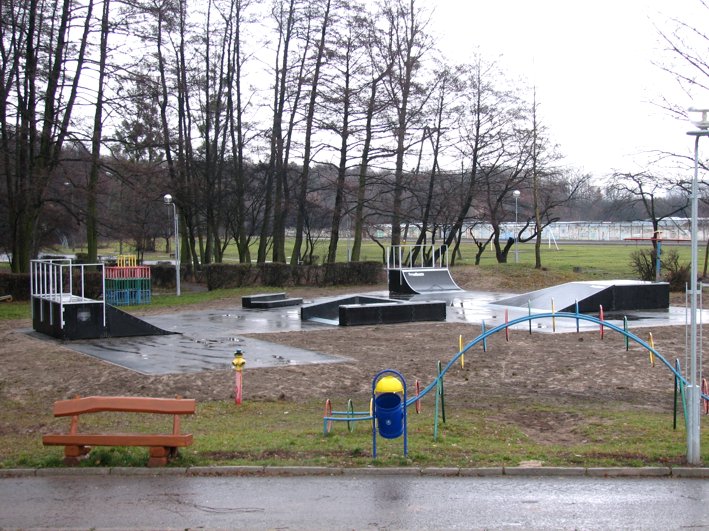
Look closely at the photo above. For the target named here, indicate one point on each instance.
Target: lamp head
(167, 199)
(699, 116)
(516, 193)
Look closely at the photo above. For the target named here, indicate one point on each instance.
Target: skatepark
(194, 341)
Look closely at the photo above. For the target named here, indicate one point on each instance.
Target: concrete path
(377, 500)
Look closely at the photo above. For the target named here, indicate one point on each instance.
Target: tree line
(265, 121)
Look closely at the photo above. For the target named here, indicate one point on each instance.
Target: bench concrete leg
(74, 454)
(159, 455)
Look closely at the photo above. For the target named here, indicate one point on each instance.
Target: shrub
(163, 275)
(676, 274)
(643, 263)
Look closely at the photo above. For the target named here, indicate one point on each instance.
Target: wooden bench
(162, 446)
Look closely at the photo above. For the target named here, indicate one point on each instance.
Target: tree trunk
(304, 180)
(341, 171)
(91, 190)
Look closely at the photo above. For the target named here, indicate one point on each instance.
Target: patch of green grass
(165, 299)
(288, 433)
(15, 310)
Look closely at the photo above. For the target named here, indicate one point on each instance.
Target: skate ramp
(421, 280)
(613, 295)
(84, 319)
(365, 310)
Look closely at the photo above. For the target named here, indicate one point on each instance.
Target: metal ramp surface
(613, 295)
(421, 280)
(418, 269)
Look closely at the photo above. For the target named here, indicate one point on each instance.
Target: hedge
(18, 285)
(282, 275)
(15, 284)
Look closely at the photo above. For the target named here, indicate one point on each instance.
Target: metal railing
(412, 256)
(54, 280)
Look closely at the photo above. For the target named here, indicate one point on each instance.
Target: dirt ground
(540, 368)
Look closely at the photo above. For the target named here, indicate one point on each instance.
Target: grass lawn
(288, 433)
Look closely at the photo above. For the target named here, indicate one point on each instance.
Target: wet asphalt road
(355, 502)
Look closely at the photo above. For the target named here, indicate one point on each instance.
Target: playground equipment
(389, 411)
(421, 268)
(680, 382)
(127, 283)
(62, 308)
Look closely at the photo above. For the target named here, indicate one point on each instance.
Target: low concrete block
(484, 471)
(140, 471)
(609, 472)
(17, 472)
(385, 471)
(302, 471)
(690, 472)
(240, 470)
(73, 471)
(544, 471)
(440, 471)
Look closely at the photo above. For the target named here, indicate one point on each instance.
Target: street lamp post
(699, 118)
(167, 198)
(516, 195)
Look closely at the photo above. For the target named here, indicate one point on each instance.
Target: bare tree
(41, 75)
(409, 45)
(649, 191)
(309, 121)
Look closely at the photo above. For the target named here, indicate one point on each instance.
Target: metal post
(700, 118)
(177, 249)
(516, 193)
(167, 198)
(693, 452)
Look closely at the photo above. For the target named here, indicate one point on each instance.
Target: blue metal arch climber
(351, 416)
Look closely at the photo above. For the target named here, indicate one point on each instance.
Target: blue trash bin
(389, 410)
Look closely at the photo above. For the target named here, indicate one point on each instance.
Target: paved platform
(207, 339)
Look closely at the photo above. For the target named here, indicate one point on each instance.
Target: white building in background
(670, 229)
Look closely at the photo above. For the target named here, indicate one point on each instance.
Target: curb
(283, 471)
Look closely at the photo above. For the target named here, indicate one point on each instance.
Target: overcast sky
(591, 63)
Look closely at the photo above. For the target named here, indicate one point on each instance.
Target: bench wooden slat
(130, 404)
(162, 446)
(116, 439)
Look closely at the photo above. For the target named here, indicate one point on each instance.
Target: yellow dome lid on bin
(389, 384)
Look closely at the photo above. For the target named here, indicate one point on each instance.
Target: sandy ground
(538, 368)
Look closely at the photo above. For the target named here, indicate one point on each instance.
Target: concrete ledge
(17, 472)
(145, 471)
(74, 471)
(543, 471)
(481, 472)
(440, 471)
(302, 471)
(240, 470)
(659, 471)
(257, 470)
(688, 472)
(371, 471)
